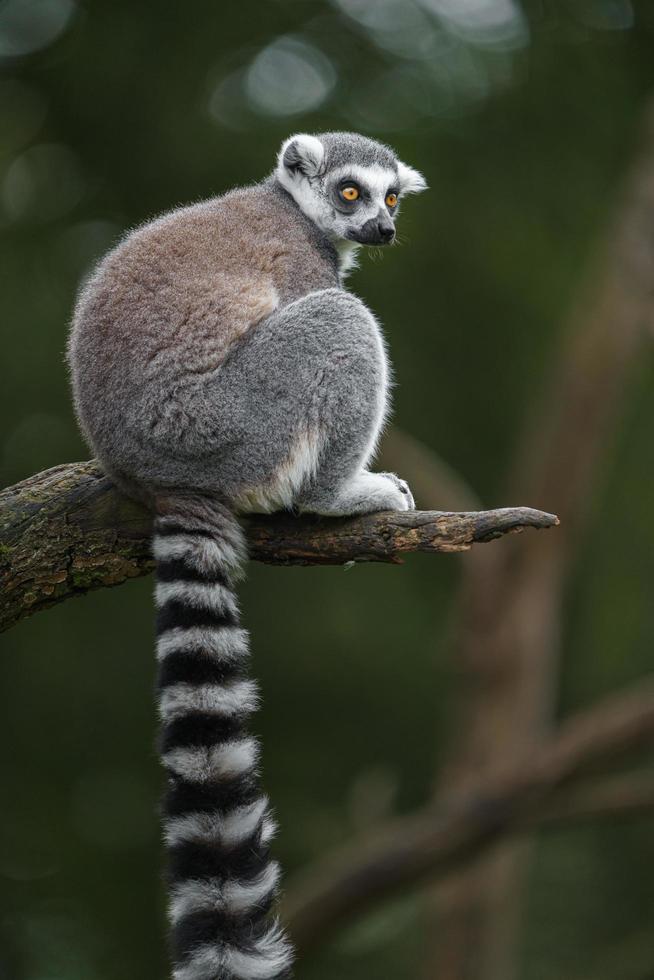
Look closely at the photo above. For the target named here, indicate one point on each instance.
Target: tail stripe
(266, 958)
(217, 823)
(219, 829)
(235, 898)
(225, 642)
(204, 861)
(179, 615)
(200, 730)
(176, 570)
(199, 595)
(214, 763)
(237, 698)
(241, 897)
(186, 797)
(167, 528)
(183, 667)
(200, 553)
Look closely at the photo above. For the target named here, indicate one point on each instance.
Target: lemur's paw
(367, 493)
(405, 501)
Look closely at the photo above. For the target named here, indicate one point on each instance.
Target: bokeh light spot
(43, 183)
(488, 23)
(398, 26)
(29, 25)
(288, 77)
(227, 103)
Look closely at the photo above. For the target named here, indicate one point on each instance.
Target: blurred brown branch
(69, 530)
(509, 623)
(436, 840)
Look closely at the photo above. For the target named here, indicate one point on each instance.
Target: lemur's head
(351, 186)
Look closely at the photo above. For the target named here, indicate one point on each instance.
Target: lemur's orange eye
(391, 200)
(350, 193)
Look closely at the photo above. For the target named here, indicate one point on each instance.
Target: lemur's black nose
(376, 231)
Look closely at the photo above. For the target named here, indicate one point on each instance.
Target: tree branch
(435, 841)
(69, 530)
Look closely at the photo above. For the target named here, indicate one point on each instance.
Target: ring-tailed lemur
(219, 366)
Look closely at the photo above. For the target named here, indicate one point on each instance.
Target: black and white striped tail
(217, 824)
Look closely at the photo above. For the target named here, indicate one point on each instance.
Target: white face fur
(354, 204)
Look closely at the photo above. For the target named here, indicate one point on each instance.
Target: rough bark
(69, 530)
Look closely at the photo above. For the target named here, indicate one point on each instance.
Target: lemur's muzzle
(376, 231)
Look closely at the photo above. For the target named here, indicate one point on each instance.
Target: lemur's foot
(370, 492)
(366, 493)
(404, 489)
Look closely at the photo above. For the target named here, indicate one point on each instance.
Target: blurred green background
(524, 118)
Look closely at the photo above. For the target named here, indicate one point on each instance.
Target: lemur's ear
(411, 181)
(301, 155)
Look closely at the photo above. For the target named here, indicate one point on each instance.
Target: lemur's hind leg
(352, 399)
(297, 410)
(336, 350)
